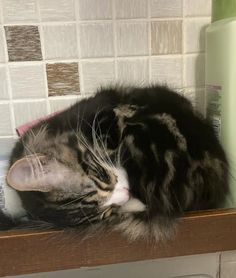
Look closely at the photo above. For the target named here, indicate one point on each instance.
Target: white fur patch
(133, 205)
(10, 201)
(121, 195)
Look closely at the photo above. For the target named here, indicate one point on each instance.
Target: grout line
(5, 101)
(114, 26)
(9, 91)
(183, 8)
(97, 59)
(19, 100)
(46, 87)
(76, 8)
(194, 53)
(183, 47)
(37, 23)
(149, 43)
(126, 20)
(197, 17)
(27, 100)
(80, 68)
(41, 34)
(64, 97)
(1, 12)
(31, 63)
(7, 136)
(38, 12)
(12, 115)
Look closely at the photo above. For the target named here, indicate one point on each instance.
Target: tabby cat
(128, 159)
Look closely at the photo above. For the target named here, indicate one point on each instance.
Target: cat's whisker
(86, 218)
(97, 158)
(95, 151)
(82, 197)
(96, 146)
(119, 154)
(96, 135)
(37, 165)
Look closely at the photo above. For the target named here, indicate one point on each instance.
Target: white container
(221, 88)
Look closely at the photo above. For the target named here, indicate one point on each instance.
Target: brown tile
(166, 37)
(63, 79)
(23, 43)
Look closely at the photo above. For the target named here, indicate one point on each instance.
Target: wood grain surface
(37, 251)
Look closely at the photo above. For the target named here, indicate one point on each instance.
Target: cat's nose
(125, 189)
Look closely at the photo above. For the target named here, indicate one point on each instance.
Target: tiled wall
(53, 52)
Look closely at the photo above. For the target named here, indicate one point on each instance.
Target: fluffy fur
(131, 159)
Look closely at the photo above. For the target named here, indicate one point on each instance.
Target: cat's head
(66, 181)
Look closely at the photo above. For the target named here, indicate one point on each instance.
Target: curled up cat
(126, 159)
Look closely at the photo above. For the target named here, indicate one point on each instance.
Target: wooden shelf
(23, 252)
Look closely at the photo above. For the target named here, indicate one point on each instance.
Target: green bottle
(221, 80)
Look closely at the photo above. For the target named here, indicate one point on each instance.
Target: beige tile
(15, 11)
(57, 10)
(194, 34)
(3, 57)
(62, 103)
(4, 94)
(132, 71)
(5, 120)
(167, 71)
(6, 146)
(197, 7)
(60, 41)
(197, 98)
(132, 38)
(27, 81)
(23, 43)
(131, 8)
(63, 79)
(94, 9)
(28, 111)
(166, 37)
(96, 40)
(194, 70)
(1, 20)
(97, 74)
(166, 8)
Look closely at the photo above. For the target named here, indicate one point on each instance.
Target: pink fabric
(23, 128)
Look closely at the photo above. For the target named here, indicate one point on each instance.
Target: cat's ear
(33, 173)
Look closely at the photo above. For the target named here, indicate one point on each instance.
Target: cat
(128, 159)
